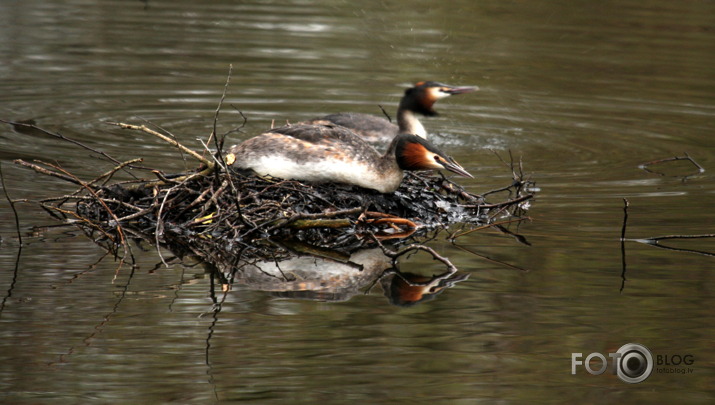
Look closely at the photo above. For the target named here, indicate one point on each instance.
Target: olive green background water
(582, 92)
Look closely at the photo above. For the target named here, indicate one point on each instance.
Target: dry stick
(238, 128)
(158, 217)
(222, 163)
(111, 173)
(210, 167)
(214, 135)
(518, 179)
(80, 219)
(158, 225)
(201, 197)
(89, 198)
(170, 141)
(510, 165)
(70, 197)
(159, 175)
(12, 205)
(214, 200)
(183, 158)
(507, 188)
(136, 214)
(42, 170)
(120, 230)
(219, 148)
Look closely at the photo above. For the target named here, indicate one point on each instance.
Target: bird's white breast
(325, 170)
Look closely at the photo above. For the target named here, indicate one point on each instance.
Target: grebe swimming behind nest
(331, 153)
(418, 99)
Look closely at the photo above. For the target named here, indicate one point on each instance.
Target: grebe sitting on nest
(417, 100)
(331, 153)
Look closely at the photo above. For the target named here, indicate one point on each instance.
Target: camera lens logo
(634, 364)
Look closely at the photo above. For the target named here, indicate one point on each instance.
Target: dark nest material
(222, 215)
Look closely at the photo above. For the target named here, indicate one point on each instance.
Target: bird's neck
(388, 169)
(408, 123)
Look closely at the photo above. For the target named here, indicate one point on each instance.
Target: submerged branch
(645, 166)
(655, 240)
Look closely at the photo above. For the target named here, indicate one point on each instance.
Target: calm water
(583, 92)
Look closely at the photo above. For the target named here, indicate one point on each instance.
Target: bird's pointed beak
(455, 167)
(460, 90)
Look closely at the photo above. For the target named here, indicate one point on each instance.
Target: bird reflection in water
(323, 275)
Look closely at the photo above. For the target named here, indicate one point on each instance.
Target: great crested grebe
(331, 153)
(418, 99)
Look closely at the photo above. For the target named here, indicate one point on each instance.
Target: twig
(42, 170)
(508, 221)
(60, 136)
(623, 244)
(385, 113)
(221, 162)
(323, 215)
(238, 128)
(510, 164)
(169, 134)
(320, 223)
(487, 258)
(503, 204)
(120, 230)
(80, 219)
(12, 205)
(656, 239)
(165, 138)
(214, 135)
(159, 229)
(111, 173)
(644, 166)
(413, 247)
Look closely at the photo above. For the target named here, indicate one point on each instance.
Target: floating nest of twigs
(225, 217)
